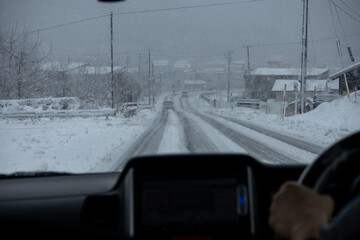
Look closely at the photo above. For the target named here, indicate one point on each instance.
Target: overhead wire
(350, 8)
(312, 41)
(354, 1)
(146, 11)
(202, 6)
(189, 7)
(337, 6)
(348, 45)
(69, 23)
(338, 44)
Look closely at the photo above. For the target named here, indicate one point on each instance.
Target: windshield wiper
(32, 174)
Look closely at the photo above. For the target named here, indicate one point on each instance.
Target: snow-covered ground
(326, 124)
(78, 144)
(70, 145)
(94, 144)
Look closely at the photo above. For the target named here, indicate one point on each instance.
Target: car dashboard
(167, 197)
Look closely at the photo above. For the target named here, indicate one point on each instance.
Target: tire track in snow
(196, 140)
(310, 147)
(147, 144)
(252, 147)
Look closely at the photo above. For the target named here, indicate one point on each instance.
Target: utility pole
(112, 60)
(139, 64)
(229, 58)
(149, 76)
(153, 84)
(304, 42)
(248, 56)
(160, 83)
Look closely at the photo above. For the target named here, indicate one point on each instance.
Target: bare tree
(20, 65)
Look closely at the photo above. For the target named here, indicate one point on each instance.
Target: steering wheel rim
(317, 174)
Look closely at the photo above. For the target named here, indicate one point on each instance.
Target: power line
(214, 54)
(146, 11)
(312, 40)
(189, 7)
(341, 26)
(70, 23)
(350, 8)
(345, 12)
(354, 1)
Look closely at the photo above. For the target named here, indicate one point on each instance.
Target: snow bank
(39, 104)
(326, 124)
(45, 105)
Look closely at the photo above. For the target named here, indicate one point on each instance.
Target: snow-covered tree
(20, 65)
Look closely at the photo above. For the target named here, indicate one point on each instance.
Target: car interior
(205, 196)
(170, 196)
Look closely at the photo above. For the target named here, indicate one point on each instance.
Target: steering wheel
(337, 163)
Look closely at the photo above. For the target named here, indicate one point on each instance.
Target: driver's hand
(297, 212)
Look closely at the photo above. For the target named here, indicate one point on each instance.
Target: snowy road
(172, 132)
(184, 129)
(147, 144)
(255, 144)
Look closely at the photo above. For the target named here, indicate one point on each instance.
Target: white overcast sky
(191, 34)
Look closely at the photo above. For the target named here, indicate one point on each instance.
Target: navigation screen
(188, 202)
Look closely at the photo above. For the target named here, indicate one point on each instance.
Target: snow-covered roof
(60, 66)
(345, 70)
(74, 68)
(287, 71)
(161, 63)
(194, 82)
(310, 84)
(214, 70)
(182, 64)
(279, 85)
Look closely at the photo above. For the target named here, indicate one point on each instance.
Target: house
(194, 85)
(259, 82)
(312, 86)
(352, 76)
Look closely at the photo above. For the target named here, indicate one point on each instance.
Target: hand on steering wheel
(300, 209)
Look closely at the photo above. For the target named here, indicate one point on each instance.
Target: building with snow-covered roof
(259, 82)
(316, 73)
(352, 73)
(182, 64)
(312, 86)
(158, 63)
(194, 84)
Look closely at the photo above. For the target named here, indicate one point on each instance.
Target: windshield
(85, 86)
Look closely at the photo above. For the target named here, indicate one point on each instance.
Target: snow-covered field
(68, 144)
(91, 144)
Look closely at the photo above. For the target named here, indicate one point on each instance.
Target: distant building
(182, 65)
(259, 82)
(352, 76)
(194, 85)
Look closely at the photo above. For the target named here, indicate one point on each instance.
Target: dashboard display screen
(188, 202)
